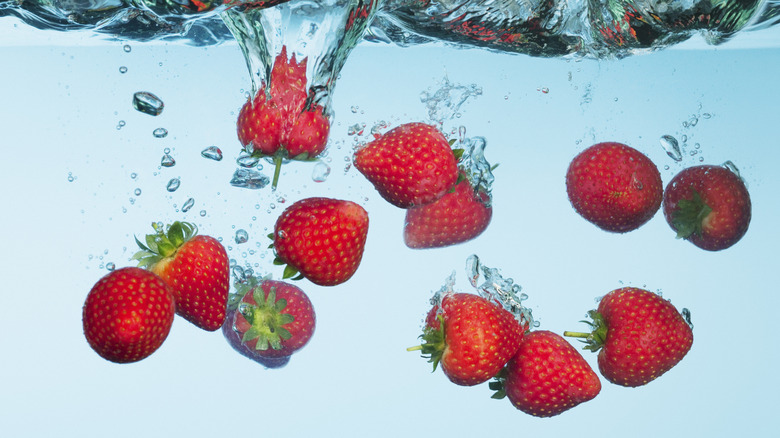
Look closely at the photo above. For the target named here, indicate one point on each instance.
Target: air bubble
(320, 172)
(249, 179)
(241, 236)
(137, 192)
(188, 205)
(148, 103)
(167, 161)
(173, 184)
(110, 266)
(212, 153)
(160, 133)
(120, 125)
(123, 69)
(671, 147)
(127, 48)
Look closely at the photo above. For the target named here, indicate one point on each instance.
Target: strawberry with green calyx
(546, 377)
(471, 337)
(639, 336)
(322, 239)
(410, 165)
(268, 321)
(282, 122)
(195, 267)
(614, 186)
(127, 315)
(709, 206)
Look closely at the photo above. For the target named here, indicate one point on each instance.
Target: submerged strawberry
(709, 206)
(196, 269)
(641, 336)
(614, 186)
(127, 315)
(281, 122)
(322, 239)
(410, 165)
(268, 321)
(547, 376)
(457, 217)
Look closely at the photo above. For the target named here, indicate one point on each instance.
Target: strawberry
(280, 122)
(269, 321)
(641, 336)
(471, 337)
(458, 216)
(127, 315)
(709, 206)
(409, 165)
(196, 269)
(547, 376)
(322, 239)
(614, 186)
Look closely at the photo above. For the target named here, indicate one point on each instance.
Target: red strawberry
(614, 186)
(547, 376)
(641, 336)
(279, 122)
(409, 165)
(269, 321)
(127, 315)
(709, 206)
(471, 337)
(456, 217)
(195, 268)
(321, 238)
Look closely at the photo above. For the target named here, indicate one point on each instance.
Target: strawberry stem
(595, 339)
(415, 348)
(576, 334)
(277, 170)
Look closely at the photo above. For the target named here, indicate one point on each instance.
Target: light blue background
(61, 106)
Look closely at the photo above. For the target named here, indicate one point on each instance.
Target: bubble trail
(148, 103)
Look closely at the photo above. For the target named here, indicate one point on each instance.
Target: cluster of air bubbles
(188, 205)
(500, 290)
(543, 90)
(320, 172)
(356, 129)
(148, 103)
(249, 179)
(241, 236)
(71, 178)
(376, 130)
(445, 103)
(212, 153)
(120, 125)
(160, 133)
(355, 109)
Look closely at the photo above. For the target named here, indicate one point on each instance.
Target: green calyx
(290, 272)
(687, 218)
(266, 318)
(434, 344)
(596, 338)
(163, 243)
(498, 384)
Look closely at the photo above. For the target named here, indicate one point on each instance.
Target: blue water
(61, 109)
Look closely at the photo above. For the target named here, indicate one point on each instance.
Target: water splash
(497, 289)
(445, 103)
(474, 164)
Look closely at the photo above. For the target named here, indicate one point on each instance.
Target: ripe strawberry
(195, 268)
(547, 376)
(268, 321)
(614, 186)
(709, 206)
(321, 238)
(471, 337)
(127, 315)
(640, 334)
(456, 217)
(279, 122)
(409, 165)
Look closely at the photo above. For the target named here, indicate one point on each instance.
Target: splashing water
(473, 162)
(497, 289)
(445, 103)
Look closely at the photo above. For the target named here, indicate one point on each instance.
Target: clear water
(82, 173)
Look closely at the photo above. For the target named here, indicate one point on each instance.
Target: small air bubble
(167, 161)
(212, 153)
(173, 184)
(120, 125)
(148, 103)
(110, 266)
(203, 213)
(241, 236)
(187, 205)
(160, 133)
(320, 172)
(137, 192)
(123, 69)
(671, 147)
(127, 48)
